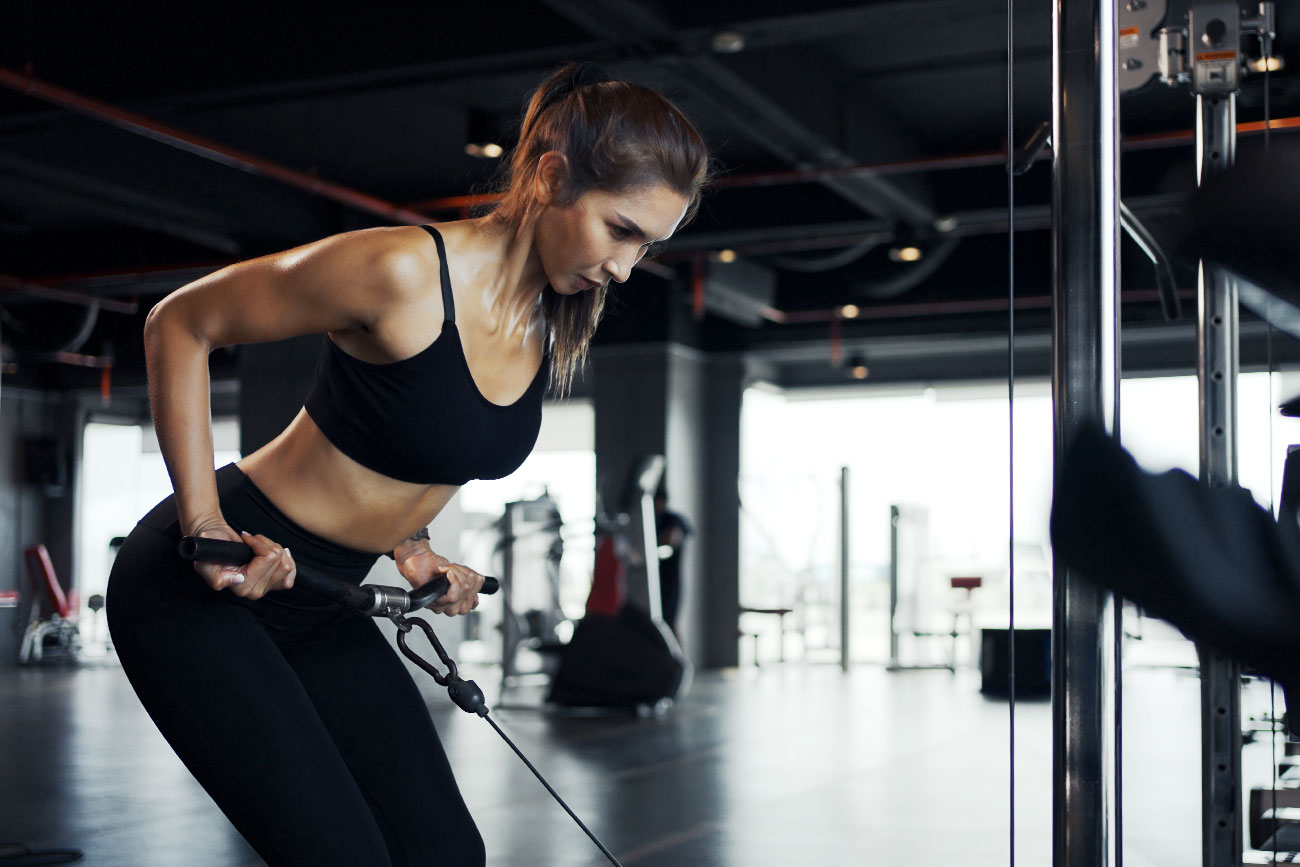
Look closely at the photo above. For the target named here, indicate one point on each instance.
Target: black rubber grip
(227, 553)
(423, 595)
(203, 550)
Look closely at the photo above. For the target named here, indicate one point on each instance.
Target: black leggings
(295, 715)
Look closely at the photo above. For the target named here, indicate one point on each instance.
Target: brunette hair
(616, 136)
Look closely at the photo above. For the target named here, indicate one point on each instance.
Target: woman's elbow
(162, 329)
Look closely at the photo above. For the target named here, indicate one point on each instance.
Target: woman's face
(602, 235)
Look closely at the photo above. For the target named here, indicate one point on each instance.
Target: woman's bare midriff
(326, 492)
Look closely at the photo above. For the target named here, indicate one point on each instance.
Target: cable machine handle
(364, 597)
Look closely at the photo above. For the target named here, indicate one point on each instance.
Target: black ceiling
(375, 99)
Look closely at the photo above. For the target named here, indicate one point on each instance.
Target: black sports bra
(422, 419)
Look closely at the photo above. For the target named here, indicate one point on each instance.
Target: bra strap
(448, 305)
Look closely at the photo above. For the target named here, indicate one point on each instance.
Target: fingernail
(287, 554)
(237, 579)
(245, 533)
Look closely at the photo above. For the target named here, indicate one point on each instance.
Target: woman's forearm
(180, 398)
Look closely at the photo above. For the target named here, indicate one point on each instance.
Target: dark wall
(274, 379)
(40, 446)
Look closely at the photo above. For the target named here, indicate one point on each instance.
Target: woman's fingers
(462, 591)
(272, 568)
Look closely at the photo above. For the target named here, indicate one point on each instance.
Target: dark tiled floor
(788, 765)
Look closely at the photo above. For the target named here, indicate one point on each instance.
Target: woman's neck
(503, 267)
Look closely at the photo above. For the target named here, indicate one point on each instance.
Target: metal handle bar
(373, 599)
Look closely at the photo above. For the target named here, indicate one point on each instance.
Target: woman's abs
(330, 494)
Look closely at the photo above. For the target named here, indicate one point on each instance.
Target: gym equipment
(908, 538)
(393, 603)
(530, 603)
(1202, 47)
(628, 660)
(54, 636)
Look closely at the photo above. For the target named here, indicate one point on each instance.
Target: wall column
(665, 398)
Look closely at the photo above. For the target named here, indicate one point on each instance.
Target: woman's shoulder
(405, 258)
(394, 260)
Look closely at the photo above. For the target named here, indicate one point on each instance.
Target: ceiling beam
(628, 25)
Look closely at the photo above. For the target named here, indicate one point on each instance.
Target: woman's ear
(552, 174)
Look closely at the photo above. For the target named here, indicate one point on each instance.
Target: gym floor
(785, 765)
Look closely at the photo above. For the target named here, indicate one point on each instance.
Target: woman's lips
(587, 285)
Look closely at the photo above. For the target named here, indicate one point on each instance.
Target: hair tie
(586, 73)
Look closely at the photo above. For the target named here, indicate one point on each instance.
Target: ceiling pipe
(934, 308)
(206, 148)
(746, 242)
(34, 290)
(911, 276)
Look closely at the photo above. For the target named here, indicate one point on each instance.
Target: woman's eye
(620, 233)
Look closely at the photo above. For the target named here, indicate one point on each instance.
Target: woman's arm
(347, 282)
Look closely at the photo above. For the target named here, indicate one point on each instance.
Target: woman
(296, 715)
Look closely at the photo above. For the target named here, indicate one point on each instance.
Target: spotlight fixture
(857, 367)
(489, 150)
(1266, 64)
(905, 254)
(849, 311)
(481, 136)
(726, 256)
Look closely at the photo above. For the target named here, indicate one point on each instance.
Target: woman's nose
(618, 271)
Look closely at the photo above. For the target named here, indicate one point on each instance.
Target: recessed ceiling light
(905, 254)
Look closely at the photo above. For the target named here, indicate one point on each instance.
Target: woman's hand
(422, 566)
(272, 567)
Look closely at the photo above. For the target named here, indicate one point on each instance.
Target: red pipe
(206, 148)
(106, 384)
(697, 285)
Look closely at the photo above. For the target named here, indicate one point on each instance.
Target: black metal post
(1085, 373)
